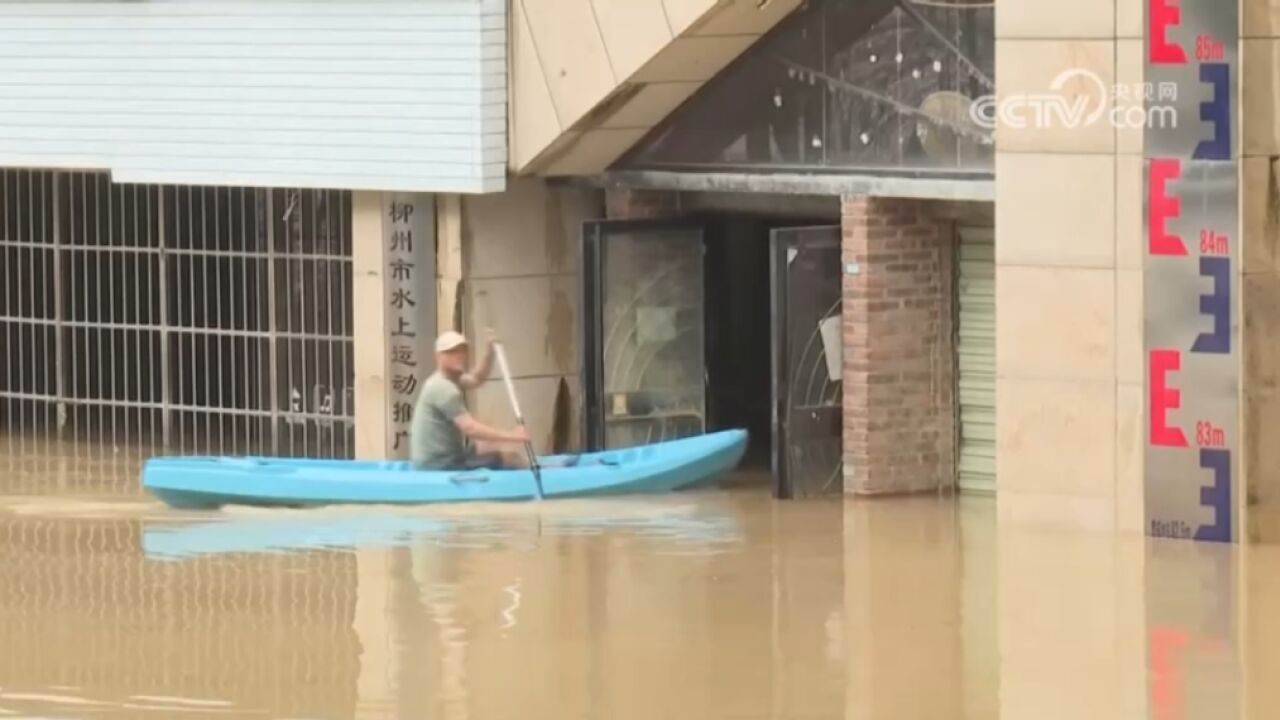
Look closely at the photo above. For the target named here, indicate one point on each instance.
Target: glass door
(808, 450)
(644, 369)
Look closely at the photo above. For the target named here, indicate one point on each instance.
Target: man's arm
(480, 373)
(477, 430)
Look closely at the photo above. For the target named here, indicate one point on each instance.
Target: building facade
(782, 215)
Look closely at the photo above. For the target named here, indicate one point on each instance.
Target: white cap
(450, 341)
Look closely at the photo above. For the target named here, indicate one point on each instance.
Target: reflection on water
(45, 465)
(714, 605)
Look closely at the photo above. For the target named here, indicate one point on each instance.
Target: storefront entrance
(644, 332)
(729, 321)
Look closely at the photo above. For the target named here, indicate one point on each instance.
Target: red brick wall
(899, 359)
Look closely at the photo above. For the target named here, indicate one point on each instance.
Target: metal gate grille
(175, 319)
(808, 347)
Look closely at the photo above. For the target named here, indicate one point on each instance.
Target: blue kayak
(209, 482)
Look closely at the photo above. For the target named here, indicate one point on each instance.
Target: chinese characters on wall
(1191, 253)
(409, 245)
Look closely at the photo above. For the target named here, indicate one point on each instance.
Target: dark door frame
(780, 243)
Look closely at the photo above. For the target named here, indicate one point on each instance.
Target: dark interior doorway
(740, 331)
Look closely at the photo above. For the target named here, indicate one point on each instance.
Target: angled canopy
(883, 86)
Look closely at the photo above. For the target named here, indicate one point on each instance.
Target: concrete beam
(770, 204)
(975, 189)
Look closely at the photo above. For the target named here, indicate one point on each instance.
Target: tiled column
(1068, 275)
(1260, 289)
(384, 391)
(1260, 300)
(369, 305)
(899, 360)
(1069, 368)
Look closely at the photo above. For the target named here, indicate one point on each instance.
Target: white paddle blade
(506, 379)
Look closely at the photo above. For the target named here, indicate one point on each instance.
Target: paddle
(515, 408)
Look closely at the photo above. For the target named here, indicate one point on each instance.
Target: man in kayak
(444, 435)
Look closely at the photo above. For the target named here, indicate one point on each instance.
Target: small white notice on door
(655, 324)
(833, 346)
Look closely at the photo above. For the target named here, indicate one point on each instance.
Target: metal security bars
(175, 319)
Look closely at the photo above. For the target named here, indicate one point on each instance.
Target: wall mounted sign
(409, 246)
(1192, 250)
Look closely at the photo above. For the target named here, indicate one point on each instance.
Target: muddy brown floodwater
(721, 604)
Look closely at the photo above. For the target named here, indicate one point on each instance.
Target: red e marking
(1161, 15)
(1164, 398)
(1161, 206)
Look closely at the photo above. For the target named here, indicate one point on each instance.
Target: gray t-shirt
(434, 439)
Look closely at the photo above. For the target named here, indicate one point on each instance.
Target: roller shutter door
(976, 350)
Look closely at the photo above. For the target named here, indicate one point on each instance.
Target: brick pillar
(628, 204)
(899, 352)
